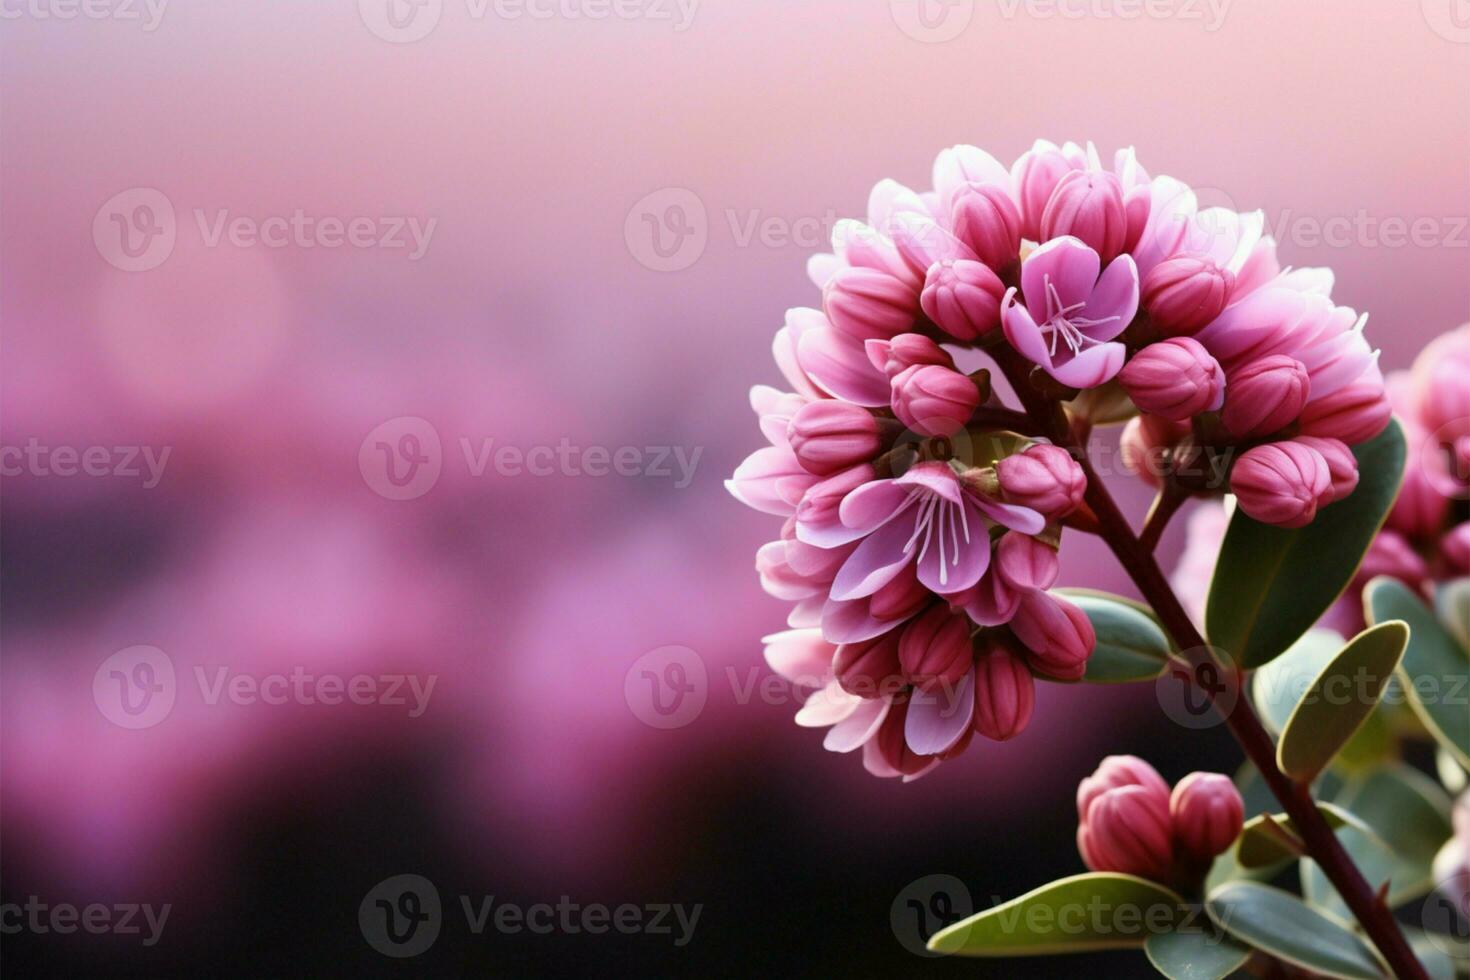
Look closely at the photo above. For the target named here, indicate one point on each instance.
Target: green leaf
(1193, 953)
(1452, 606)
(1277, 687)
(1260, 846)
(1271, 584)
(1408, 811)
(1378, 864)
(1436, 668)
(1074, 915)
(1339, 700)
(1131, 645)
(1279, 923)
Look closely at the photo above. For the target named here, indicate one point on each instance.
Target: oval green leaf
(1339, 700)
(1405, 809)
(1262, 844)
(1277, 687)
(1282, 925)
(1452, 605)
(1195, 953)
(1080, 914)
(1436, 668)
(1271, 584)
(1131, 645)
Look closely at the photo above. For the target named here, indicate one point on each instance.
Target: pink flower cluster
(920, 544)
(1131, 823)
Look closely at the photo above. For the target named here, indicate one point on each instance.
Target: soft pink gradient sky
(530, 319)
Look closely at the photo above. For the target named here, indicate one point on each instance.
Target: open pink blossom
(1071, 314)
(928, 518)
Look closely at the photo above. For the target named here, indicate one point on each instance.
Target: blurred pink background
(530, 318)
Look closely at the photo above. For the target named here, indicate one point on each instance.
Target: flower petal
(1094, 366)
(855, 731)
(938, 719)
(875, 563)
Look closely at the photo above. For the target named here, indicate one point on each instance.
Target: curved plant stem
(1137, 558)
(1170, 499)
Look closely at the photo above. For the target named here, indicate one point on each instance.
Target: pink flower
(933, 400)
(864, 303)
(924, 518)
(1207, 814)
(1353, 414)
(1184, 294)
(771, 480)
(1391, 554)
(1072, 315)
(1033, 179)
(963, 298)
(1281, 483)
(1115, 772)
(893, 357)
(870, 668)
(934, 648)
(1442, 381)
(830, 436)
(1265, 396)
(1455, 547)
(1127, 830)
(985, 218)
(1058, 636)
(1342, 466)
(1176, 379)
(837, 363)
(1145, 446)
(1088, 206)
(1005, 693)
(1044, 478)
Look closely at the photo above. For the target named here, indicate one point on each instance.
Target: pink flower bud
(1342, 467)
(1088, 205)
(1128, 831)
(893, 746)
(817, 519)
(1265, 396)
(1455, 546)
(1442, 383)
(1116, 771)
(1176, 379)
(934, 649)
(963, 298)
(984, 217)
(1207, 814)
(1391, 554)
(829, 436)
(1034, 177)
(1058, 636)
(866, 303)
(900, 598)
(869, 669)
(1353, 414)
(1024, 563)
(1421, 508)
(1184, 294)
(1281, 483)
(1045, 478)
(1005, 693)
(1145, 445)
(907, 350)
(933, 400)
